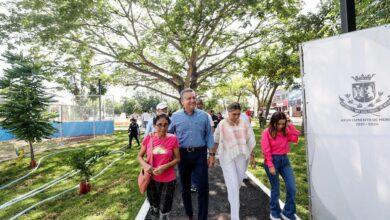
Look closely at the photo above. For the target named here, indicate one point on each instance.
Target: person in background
(275, 146)
(261, 115)
(219, 116)
(145, 117)
(192, 127)
(245, 118)
(165, 155)
(133, 131)
(234, 141)
(214, 118)
(161, 108)
(200, 105)
(248, 113)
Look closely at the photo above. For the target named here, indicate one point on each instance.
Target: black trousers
(160, 197)
(194, 164)
(131, 136)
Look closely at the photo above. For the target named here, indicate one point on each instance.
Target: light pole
(100, 99)
(348, 17)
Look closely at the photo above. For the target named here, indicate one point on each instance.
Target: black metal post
(100, 99)
(348, 17)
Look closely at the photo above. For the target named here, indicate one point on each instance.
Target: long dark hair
(273, 125)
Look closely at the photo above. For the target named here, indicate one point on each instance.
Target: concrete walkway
(254, 202)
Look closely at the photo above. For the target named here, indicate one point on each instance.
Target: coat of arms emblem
(365, 98)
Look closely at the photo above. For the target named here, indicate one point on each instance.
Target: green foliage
(327, 22)
(150, 44)
(24, 111)
(130, 106)
(212, 103)
(83, 162)
(141, 102)
(235, 89)
(371, 13)
(147, 103)
(173, 106)
(118, 108)
(268, 69)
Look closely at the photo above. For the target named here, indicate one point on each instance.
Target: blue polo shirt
(192, 130)
(149, 127)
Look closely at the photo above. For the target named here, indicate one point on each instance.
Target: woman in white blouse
(234, 141)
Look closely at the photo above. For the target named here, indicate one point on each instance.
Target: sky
(119, 91)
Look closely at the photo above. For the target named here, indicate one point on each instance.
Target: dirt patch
(7, 148)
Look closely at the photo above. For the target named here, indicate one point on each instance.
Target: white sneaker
(284, 217)
(271, 217)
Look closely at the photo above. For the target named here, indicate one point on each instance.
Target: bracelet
(212, 154)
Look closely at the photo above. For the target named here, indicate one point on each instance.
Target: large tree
(179, 43)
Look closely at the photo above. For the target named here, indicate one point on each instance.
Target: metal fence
(87, 116)
(85, 108)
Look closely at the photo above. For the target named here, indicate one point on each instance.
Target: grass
(297, 158)
(114, 194)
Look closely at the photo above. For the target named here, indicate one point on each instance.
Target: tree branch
(151, 88)
(154, 74)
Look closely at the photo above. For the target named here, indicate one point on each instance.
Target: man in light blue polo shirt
(192, 128)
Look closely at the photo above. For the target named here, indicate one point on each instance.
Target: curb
(143, 210)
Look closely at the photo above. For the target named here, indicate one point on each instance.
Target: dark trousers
(131, 136)
(194, 162)
(160, 196)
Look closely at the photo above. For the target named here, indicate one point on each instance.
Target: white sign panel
(347, 90)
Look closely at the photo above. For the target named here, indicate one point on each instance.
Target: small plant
(19, 153)
(83, 162)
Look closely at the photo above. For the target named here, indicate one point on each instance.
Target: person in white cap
(161, 108)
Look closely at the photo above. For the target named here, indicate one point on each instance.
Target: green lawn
(297, 158)
(114, 194)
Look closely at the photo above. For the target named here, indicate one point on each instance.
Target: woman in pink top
(275, 146)
(164, 148)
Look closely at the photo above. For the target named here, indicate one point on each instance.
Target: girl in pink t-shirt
(275, 146)
(164, 148)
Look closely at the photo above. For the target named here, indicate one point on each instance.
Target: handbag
(145, 177)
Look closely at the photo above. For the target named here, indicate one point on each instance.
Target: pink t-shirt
(162, 154)
(279, 145)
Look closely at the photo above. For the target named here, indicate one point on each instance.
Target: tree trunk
(269, 101)
(33, 164)
(259, 113)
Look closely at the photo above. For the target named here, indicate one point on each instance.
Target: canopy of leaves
(180, 43)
